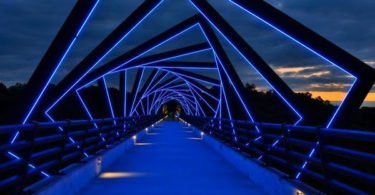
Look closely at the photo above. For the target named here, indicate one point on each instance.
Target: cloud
(32, 25)
(302, 72)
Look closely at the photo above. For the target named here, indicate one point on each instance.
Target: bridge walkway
(169, 159)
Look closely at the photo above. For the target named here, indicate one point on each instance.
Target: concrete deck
(171, 160)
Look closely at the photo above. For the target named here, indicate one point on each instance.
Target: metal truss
(171, 79)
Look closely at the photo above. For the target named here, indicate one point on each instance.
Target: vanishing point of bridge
(216, 144)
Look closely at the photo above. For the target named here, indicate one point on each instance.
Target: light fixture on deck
(115, 175)
(299, 192)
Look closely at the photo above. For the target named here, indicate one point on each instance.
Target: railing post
(286, 133)
(60, 157)
(89, 123)
(324, 158)
(235, 135)
(261, 142)
(30, 137)
(100, 128)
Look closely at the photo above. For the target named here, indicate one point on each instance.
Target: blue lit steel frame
(61, 46)
(51, 61)
(161, 92)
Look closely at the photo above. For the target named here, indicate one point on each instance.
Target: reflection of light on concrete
(113, 175)
(194, 138)
(143, 144)
(153, 133)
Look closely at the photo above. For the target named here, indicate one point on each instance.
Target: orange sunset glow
(338, 95)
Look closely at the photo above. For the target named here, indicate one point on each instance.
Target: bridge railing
(331, 160)
(46, 148)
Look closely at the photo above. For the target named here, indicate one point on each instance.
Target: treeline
(265, 106)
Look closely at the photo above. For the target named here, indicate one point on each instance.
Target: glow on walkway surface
(173, 164)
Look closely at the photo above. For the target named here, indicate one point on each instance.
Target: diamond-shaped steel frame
(184, 87)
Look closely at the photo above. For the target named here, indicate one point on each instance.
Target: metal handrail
(51, 152)
(333, 168)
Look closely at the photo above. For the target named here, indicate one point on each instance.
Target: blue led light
(197, 102)
(125, 92)
(148, 84)
(198, 88)
(51, 77)
(225, 99)
(218, 63)
(238, 95)
(136, 93)
(85, 107)
(35, 103)
(87, 18)
(29, 164)
(311, 50)
(143, 108)
(163, 78)
(163, 99)
(109, 100)
(62, 130)
(220, 102)
(148, 105)
(174, 57)
(194, 78)
(239, 52)
(14, 156)
(316, 53)
(77, 81)
(164, 87)
(189, 53)
(170, 38)
(339, 108)
(179, 67)
(193, 90)
(156, 84)
(181, 76)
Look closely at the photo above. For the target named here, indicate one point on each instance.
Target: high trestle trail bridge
(216, 143)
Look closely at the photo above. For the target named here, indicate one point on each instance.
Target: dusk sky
(28, 27)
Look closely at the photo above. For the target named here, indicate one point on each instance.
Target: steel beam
(227, 65)
(324, 48)
(125, 59)
(53, 58)
(109, 43)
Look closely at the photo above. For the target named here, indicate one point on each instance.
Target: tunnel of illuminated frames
(313, 150)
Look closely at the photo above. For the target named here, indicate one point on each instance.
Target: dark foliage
(266, 106)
